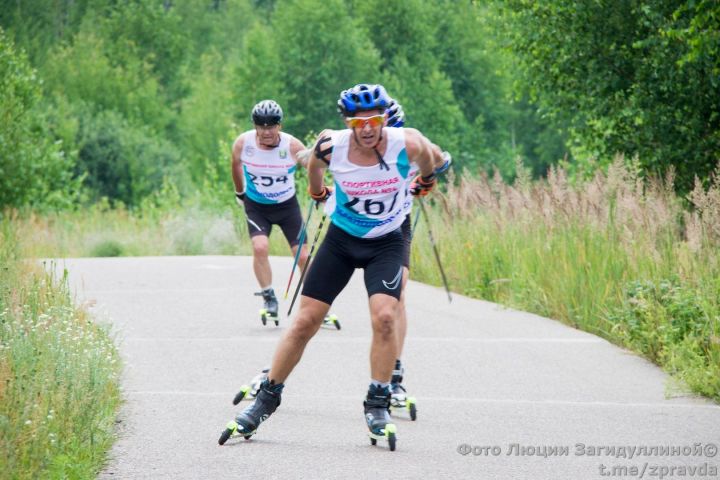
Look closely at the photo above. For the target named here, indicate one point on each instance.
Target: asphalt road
(521, 396)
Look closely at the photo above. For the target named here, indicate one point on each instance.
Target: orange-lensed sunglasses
(360, 122)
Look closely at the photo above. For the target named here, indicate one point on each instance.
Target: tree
(34, 171)
(321, 50)
(626, 77)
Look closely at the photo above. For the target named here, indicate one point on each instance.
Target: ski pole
(414, 225)
(300, 245)
(307, 263)
(435, 250)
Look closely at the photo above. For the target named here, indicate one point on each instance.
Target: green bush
(667, 322)
(33, 168)
(123, 162)
(107, 248)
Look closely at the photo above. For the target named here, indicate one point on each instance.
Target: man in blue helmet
(264, 161)
(369, 165)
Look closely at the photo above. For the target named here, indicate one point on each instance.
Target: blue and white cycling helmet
(395, 115)
(361, 98)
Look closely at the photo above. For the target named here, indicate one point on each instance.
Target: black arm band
(322, 154)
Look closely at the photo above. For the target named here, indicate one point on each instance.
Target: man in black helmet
(264, 161)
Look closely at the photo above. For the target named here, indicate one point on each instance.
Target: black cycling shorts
(261, 217)
(407, 240)
(341, 253)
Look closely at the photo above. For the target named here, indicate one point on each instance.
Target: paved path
(484, 376)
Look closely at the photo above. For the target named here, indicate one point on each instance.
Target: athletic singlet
(269, 174)
(368, 201)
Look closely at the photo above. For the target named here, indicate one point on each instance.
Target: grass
(59, 375)
(101, 231)
(617, 256)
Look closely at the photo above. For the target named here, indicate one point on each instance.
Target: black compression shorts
(286, 215)
(407, 240)
(341, 253)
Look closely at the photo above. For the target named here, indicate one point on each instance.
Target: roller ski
(269, 312)
(331, 321)
(377, 417)
(250, 391)
(399, 400)
(247, 422)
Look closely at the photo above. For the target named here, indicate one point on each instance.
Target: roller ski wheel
(412, 408)
(400, 401)
(243, 393)
(266, 316)
(250, 391)
(231, 430)
(389, 433)
(331, 321)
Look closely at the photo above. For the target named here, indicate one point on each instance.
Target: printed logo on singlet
(249, 150)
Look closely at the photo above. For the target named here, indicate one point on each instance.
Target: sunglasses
(360, 122)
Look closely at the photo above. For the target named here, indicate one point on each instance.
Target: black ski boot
(248, 421)
(399, 399)
(377, 405)
(270, 307)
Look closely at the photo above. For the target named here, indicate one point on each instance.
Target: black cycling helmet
(267, 113)
(361, 98)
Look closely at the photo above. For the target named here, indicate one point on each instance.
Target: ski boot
(248, 421)
(399, 399)
(377, 417)
(251, 391)
(270, 308)
(331, 321)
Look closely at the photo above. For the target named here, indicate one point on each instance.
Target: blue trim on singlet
(349, 220)
(292, 169)
(403, 163)
(252, 192)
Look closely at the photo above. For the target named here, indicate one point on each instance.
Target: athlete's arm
(304, 155)
(237, 171)
(442, 159)
(437, 156)
(420, 151)
(320, 156)
(296, 147)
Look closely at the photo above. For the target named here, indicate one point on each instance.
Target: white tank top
(368, 201)
(269, 174)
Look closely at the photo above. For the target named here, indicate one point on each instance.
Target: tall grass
(181, 228)
(59, 385)
(617, 255)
